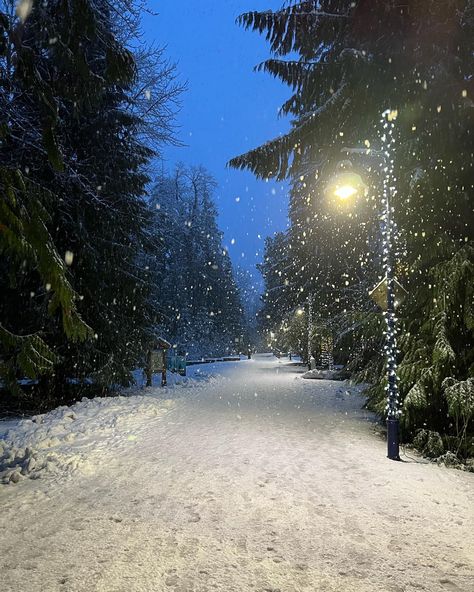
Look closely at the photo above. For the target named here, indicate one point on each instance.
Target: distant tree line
(89, 267)
(199, 304)
(345, 63)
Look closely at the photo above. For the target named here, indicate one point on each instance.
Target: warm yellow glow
(300, 311)
(392, 115)
(346, 185)
(345, 191)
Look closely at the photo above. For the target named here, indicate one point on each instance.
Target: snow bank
(57, 442)
(67, 438)
(325, 374)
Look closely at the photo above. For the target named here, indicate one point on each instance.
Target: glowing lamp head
(299, 312)
(345, 191)
(345, 186)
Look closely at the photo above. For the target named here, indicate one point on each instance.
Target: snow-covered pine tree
(278, 296)
(76, 83)
(197, 299)
(328, 244)
(249, 290)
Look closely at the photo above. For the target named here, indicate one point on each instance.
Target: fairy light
(389, 227)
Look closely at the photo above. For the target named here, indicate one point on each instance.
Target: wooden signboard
(158, 361)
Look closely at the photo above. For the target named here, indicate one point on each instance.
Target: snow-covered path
(257, 481)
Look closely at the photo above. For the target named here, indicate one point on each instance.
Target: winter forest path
(257, 481)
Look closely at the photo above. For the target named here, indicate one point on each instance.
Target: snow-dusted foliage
(460, 397)
(198, 303)
(75, 144)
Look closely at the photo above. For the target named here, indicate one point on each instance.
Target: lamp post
(345, 186)
(388, 193)
(310, 331)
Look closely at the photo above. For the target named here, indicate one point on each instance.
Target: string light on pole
(389, 192)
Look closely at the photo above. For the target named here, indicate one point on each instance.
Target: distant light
(23, 9)
(68, 257)
(300, 311)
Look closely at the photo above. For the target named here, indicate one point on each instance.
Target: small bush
(429, 443)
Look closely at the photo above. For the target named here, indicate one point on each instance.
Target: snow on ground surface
(254, 480)
(67, 438)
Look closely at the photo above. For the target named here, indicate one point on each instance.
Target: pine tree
(197, 299)
(353, 61)
(278, 296)
(74, 129)
(249, 290)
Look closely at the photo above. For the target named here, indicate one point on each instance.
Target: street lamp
(311, 362)
(344, 188)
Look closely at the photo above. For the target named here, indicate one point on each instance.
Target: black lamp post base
(393, 439)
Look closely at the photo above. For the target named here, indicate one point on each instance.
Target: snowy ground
(256, 480)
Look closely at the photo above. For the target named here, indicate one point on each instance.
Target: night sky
(226, 110)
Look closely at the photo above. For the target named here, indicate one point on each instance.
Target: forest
(101, 251)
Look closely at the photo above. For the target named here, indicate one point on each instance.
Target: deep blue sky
(226, 110)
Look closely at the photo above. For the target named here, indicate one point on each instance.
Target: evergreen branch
(273, 158)
(287, 29)
(293, 73)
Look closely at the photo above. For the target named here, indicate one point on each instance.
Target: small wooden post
(163, 369)
(149, 367)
